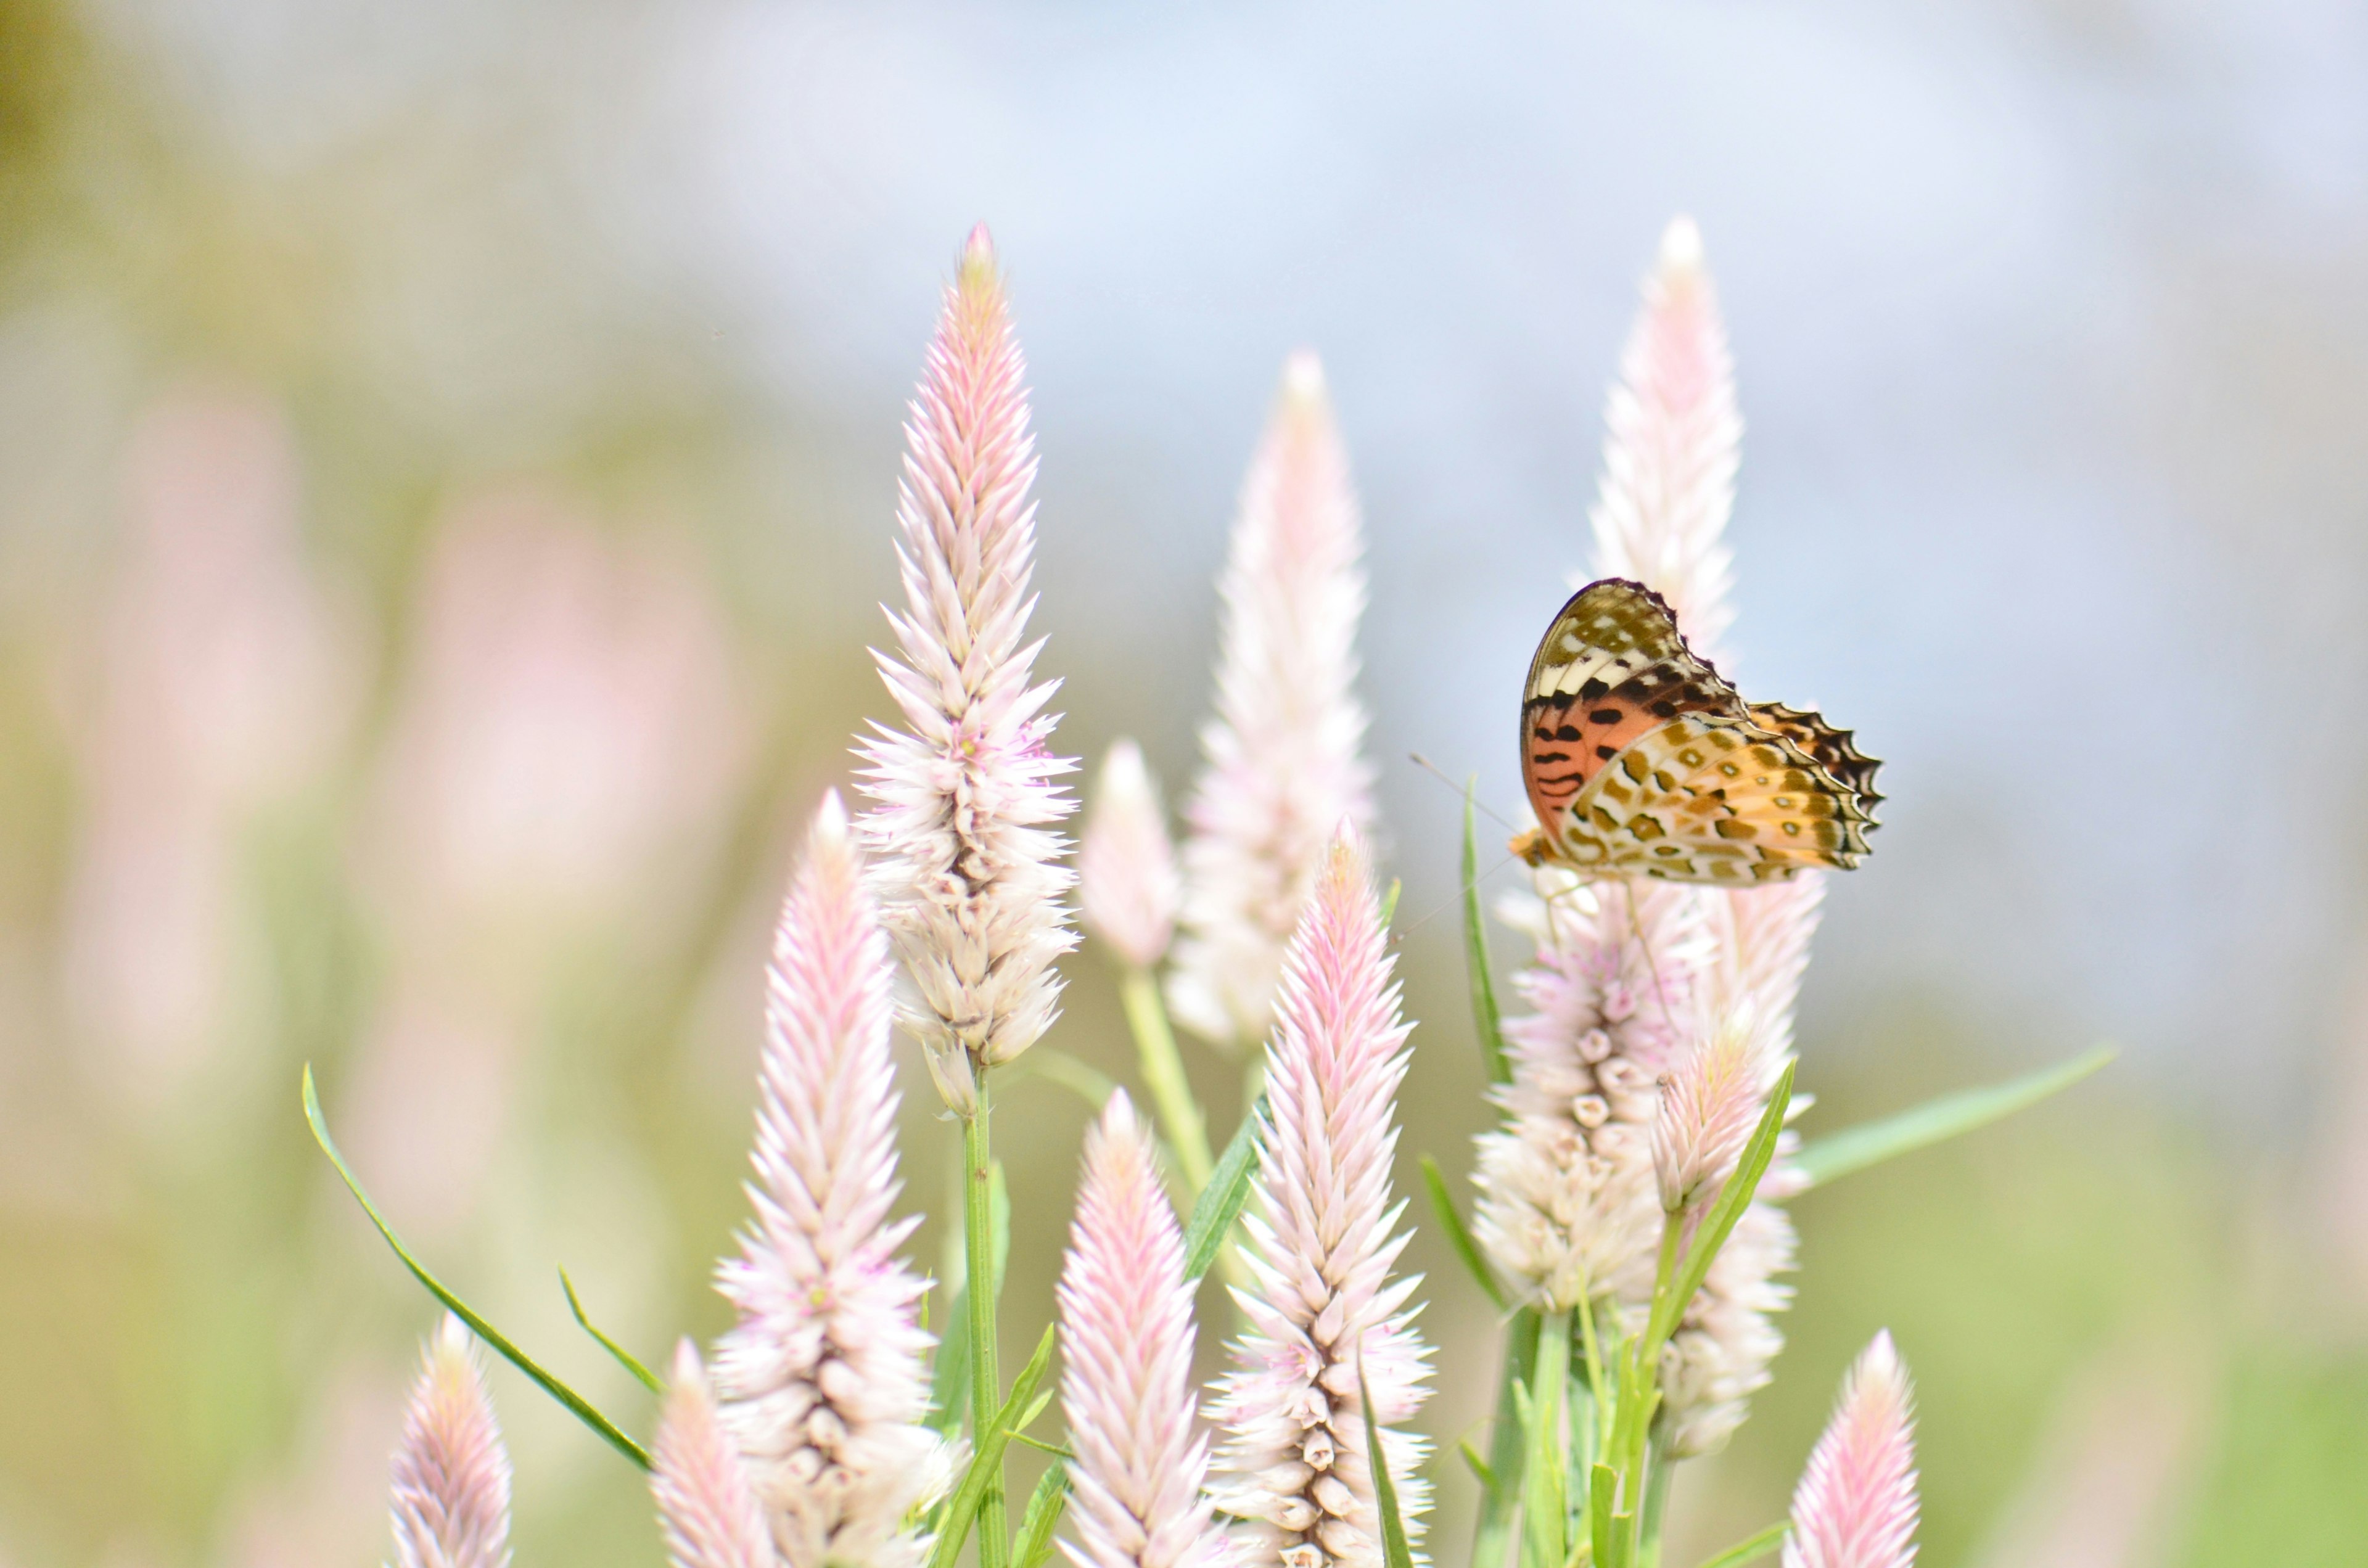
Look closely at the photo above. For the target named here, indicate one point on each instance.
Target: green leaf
(1855, 1149)
(1546, 1505)
(1485, 1019)
(986, 1460)
(950, 1381)
(1749, 1549)
(1390, 901)
(1732, 1198)
(577, 1405)
(625, 1357)
(1220, 1203)
(1034, 1547)
(1444, 1203)
(1487, 1476)
(1507, 1441)
(1396, 1552)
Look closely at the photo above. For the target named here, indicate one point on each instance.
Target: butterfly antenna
(1636, 925)
(1401, 933)
(1433, 769)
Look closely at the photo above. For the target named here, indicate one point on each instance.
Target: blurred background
(446, 455)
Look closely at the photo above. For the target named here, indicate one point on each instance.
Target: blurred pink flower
(451, 1487)
(823, 1383)
(705, 1505)
(1856, 1504)
(1670, 454)
(221, 684)
(569, 727)
(1126, 868)
(1569, 1202)
(971, 885)
(1126, 1350)
(1322, 1304)
(1284, 768)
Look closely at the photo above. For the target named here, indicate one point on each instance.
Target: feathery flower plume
(1570, 1200)
(1126, 1348)
(1127, 882)
(970, 883)
(1283, 770)
(1294, 1466)
(1856, 1504)
(822, 1383)
(452, 1483)
(1709, 1107)
(711, 1519)
(1669, 456)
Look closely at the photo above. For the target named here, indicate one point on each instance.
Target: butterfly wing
(1610, 669)
(1710, 798)
(1830, 748)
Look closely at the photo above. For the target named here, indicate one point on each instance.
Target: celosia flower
(1709, 1107)
(1856, 1504)
(1670, 458)
(822, 1383)
(968, 869)
(711, 1517)
(1569, 1203)
(1126, 1349)
(1127, 882)
(451, 1486)
(1293, 1465)
(1283, 770)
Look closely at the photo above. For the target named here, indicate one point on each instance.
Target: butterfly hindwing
(1641, 761)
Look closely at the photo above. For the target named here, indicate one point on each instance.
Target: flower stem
(1507, 1446)
(1544, 1500)
(1163, 1074)
(985, 1382)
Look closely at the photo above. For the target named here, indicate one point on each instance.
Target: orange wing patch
(1641, 761)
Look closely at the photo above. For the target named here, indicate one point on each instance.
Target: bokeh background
(446, 461)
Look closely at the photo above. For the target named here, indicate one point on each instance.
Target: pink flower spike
(710, 1518)
(452, 1483)
(969, 873)
(1670, 453)
(1294, 1466)
(1856, 1504)
(1283, 767)
(1126, 1348)
(822, 1382)
(1126, 868)
(1709, 1107)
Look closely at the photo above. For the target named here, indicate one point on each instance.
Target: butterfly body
(1640, 760)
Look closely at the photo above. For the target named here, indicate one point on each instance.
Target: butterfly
(1641, 761)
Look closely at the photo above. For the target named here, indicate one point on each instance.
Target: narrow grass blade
(1390, 901)
(1443, 1203)
(577, 1405)
(1089, 1082)
(1719, 1224)
(1220, 1203)
(1396, 1552)
(986, 1460)
(1493, 1536)
(1855, 1149)
(625, 1357)
(1486, 1021)
(1750, 1550)
(1034, 1547)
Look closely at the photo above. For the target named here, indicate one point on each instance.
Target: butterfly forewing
(1641, 761)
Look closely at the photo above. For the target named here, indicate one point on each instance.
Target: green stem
(1507, 1444)
(978, 1261)
(1163, 1074)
